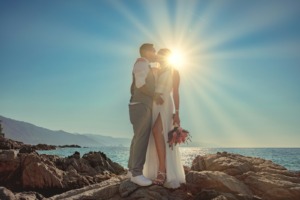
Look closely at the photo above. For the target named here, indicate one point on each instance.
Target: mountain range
(32, 134)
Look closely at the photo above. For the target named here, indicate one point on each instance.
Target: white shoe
(129, 174)
(141, 180)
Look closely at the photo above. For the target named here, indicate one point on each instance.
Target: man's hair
(145, 47)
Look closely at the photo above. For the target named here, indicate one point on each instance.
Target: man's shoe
(129, 174)
(141, 180)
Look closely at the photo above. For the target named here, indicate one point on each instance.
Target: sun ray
(240, 114)
(159, 14)
(121, 7)
(210, 119)
(204, 42)
(256, 22)
(183, 15)
(225, 117)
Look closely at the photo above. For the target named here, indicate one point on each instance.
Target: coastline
(222, 174)
(27, 174)
(281, 156)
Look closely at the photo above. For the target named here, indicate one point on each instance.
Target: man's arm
(146, 91)
(156, 96)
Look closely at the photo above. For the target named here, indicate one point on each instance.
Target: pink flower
(177, 136)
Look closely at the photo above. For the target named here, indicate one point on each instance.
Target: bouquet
(177, 136)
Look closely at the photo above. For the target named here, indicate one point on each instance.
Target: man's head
(147, 51)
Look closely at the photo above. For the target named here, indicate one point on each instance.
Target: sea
(287, 157)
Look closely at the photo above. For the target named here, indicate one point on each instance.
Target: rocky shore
(221, 176)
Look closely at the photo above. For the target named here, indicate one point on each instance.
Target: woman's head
(163, 55)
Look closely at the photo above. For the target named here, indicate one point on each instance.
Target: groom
(140, 112)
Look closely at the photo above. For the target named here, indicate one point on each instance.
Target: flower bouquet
(178, 135)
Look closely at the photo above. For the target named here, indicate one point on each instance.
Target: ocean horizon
(286, 157)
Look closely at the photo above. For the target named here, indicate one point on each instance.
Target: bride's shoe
(161, 178)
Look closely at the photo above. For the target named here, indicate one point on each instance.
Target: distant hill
(112, 141)
(32, 134)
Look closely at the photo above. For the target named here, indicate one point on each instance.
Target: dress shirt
(140, 71)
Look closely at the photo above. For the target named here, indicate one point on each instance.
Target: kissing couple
(154, 111)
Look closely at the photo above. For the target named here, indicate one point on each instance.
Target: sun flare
(177, 59)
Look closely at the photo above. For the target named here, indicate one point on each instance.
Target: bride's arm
(176, 81)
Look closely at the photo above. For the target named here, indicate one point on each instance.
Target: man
(140, 111)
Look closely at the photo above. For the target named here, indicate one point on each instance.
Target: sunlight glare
(201, 44)
(177, 59)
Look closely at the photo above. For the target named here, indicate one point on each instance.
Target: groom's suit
(140, 111)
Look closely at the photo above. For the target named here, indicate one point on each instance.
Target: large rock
(104, 190)
(6, 194)
(217, 181)
(37, 173)
(9, 168)
(115, 189)
(127, 187)
(101, 163)
(216, 195)
(50, 174)
(272, 186)
(29, 196)
(262, 177)
(235, 164)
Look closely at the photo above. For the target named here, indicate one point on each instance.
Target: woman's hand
(176, 119)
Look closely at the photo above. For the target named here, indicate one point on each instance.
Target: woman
(163, 164)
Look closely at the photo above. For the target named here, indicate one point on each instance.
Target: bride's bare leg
(160, 147)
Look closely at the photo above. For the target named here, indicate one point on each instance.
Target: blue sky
(67, 65)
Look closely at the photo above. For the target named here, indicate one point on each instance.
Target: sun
(177, 59)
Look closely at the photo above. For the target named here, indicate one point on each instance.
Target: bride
(163, 164)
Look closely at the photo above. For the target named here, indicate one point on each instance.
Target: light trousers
(141, 120)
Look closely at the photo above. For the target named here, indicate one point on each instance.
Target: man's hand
(158, 99)
(145, 91)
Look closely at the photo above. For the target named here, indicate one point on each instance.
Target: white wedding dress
(174, 168)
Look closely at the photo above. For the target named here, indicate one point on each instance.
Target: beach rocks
(104, 190)
(118, 188)
(235, 164)
(263, 178)
(272, 186)
(10, 144)
(219, 181)
(40, 173)
(52, 174)
(44, 147)
(6, 194)
(127, 187)
(102, 163)
(7, 144)
(154, 192)
(221, 176)
(9, 168)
